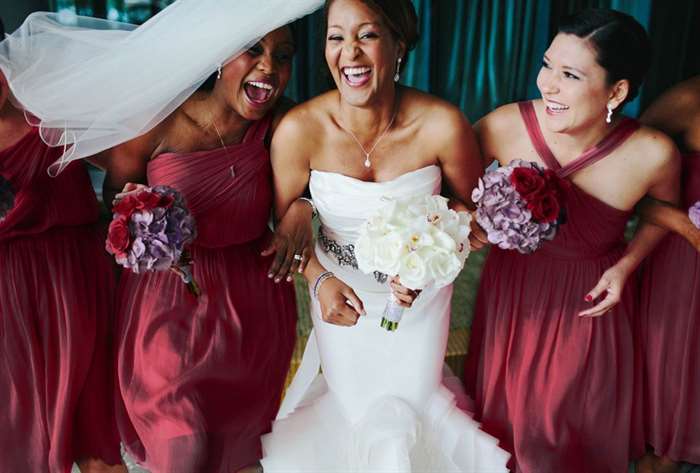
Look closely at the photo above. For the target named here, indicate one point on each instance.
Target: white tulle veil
(98, 83)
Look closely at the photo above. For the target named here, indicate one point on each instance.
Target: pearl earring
(397, 76)
(218, 75)
(608, 119)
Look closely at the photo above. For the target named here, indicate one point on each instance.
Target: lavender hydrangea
(694, 214)
(7, 198)
(159, 235)
(503, 213)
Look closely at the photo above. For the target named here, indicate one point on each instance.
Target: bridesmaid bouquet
(520, 205)
(149, 232)
(694, 214)
(7, 198)
(418, 239)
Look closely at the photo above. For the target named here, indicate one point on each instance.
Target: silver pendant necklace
(368, 154)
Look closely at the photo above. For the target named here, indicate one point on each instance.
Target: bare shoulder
(297, 125)
(437, 118)
(284, 105)
(297, 136)
(657, 149)
(500, 120)
(132, 156)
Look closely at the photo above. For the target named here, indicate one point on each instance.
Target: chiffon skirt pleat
(201, 379)
(56, 291)
(670, 339)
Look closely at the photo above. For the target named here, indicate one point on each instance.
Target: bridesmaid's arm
(665, 178)
(667, 216)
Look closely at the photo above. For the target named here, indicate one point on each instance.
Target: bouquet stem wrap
(393, 311)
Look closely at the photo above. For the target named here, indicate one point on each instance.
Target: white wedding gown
(380, 404)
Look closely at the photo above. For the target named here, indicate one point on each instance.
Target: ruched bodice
(228, 190)
(43, 202)
(593, 228)
(333, 192)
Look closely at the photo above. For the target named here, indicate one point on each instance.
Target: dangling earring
(218, 75)
(397, 76)
(608, 119)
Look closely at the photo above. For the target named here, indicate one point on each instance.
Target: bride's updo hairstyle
(621, 44)
(398, 15)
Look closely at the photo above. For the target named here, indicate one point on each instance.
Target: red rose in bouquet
(118, 237)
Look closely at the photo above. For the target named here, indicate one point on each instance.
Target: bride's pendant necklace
(368, 154)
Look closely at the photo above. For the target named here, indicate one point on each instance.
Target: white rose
(443, 240)
(388, 251)
(444, 267)
(414, 271)
(365, 253)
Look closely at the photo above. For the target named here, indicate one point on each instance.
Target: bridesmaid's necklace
(368, 154)
(232, 169)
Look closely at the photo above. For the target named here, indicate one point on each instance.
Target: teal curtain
(478, 54)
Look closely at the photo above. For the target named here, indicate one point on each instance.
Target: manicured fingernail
(289, 279)
(589, 298)
(269, 275)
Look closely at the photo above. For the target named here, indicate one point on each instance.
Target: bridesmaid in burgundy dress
(201, 378)
(670, 306)
(552, 361)
(56, 288)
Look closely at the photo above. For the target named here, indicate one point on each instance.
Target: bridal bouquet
(149, 232)
(520, 205)
(418, 239)
(694, 214)
(7, 198)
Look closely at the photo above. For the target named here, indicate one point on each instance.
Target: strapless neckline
(393, 180)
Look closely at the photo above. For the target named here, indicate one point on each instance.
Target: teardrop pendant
(367, 161)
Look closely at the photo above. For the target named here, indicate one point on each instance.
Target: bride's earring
(218, 74)
(608, 119)
(397, 76)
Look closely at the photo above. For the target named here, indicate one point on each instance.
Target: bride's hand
(339, 303)
(403, 295)
(477, 237)
(291, 243)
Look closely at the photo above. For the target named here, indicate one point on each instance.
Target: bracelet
(320, 280)
(314, 212)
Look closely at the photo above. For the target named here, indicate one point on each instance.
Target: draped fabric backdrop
(478, 54)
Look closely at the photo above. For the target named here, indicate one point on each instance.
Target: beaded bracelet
(320, 280)
(314, 212)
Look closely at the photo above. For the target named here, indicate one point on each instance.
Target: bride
(381, 403)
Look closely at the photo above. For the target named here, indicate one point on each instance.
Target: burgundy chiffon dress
(670, 338)
(559, 390)
(56, 293)
(201, 378)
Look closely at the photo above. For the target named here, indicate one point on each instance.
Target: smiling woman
(381, 403)
(562, 393)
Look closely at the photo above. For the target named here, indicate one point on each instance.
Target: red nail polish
(589, 298)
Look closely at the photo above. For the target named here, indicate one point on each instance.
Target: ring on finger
(298, 257)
